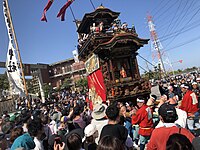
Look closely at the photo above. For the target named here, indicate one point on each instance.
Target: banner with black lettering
(13, 71)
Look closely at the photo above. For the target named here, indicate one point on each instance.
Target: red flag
(180, 61)
(96, 86)
(62, 11)
(48, 5)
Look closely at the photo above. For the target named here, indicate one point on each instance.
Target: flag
(62, 11)
(75, 54)
(96, 86)
(13, 71)
(48, 5)
(180, 61)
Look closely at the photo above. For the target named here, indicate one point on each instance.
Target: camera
(58, 140)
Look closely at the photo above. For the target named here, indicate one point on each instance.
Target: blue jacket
(25, 141)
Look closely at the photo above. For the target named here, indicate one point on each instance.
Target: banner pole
(17, 49)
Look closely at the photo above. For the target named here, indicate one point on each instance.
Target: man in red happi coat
(143, 118)
(159, 136)
(190, 105)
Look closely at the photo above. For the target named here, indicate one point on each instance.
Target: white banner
(13, 71)
(75, 54)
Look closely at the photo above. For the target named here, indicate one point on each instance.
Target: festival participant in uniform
(190, 105)
(143, 117)
(159, 136)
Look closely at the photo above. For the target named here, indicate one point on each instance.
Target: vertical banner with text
(13, 71)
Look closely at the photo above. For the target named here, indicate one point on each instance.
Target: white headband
(140, 100)
(184, 86)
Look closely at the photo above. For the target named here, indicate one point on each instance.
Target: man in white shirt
(182, 115)
(99, 118)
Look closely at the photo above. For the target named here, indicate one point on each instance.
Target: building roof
(62, 61)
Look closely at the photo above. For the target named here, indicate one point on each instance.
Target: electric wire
(172, 18)
(159, 10)
(184, 27)
(164, 25)
(179, 21)
(184, 43)
(179, 31)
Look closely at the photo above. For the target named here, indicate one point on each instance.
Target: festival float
(109, 49)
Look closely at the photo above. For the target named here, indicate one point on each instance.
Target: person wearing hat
(168, 115)
(190, 105)
(90, 134)
(182, 115)
(144, 119)
(99, 118)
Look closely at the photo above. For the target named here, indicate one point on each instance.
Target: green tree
(66, 83)
(4, 83)
(179, 70)
(30, 87)
(47, 88)
(82, 84)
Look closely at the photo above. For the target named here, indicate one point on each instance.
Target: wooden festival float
(109, 50)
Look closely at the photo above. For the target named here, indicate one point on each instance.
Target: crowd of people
(69, 121)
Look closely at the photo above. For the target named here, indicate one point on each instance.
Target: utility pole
(17, 47)
(156, 43)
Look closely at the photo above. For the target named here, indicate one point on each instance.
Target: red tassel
(62, 11)
(48, 5)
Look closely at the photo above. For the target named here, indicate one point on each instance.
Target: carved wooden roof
(126, 38)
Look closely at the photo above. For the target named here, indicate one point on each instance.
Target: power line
(92, 4)
(179, 31)
(146, 60)
(158, 10)
(184, 43)
(156, 6)
(172, 18)
(191, 25)
(173, 4)
(164, 25)
(178, 22)
(143, 68)
(184, 26)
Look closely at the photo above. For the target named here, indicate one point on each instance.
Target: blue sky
(42, 42)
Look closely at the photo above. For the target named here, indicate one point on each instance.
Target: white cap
(198, 79)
